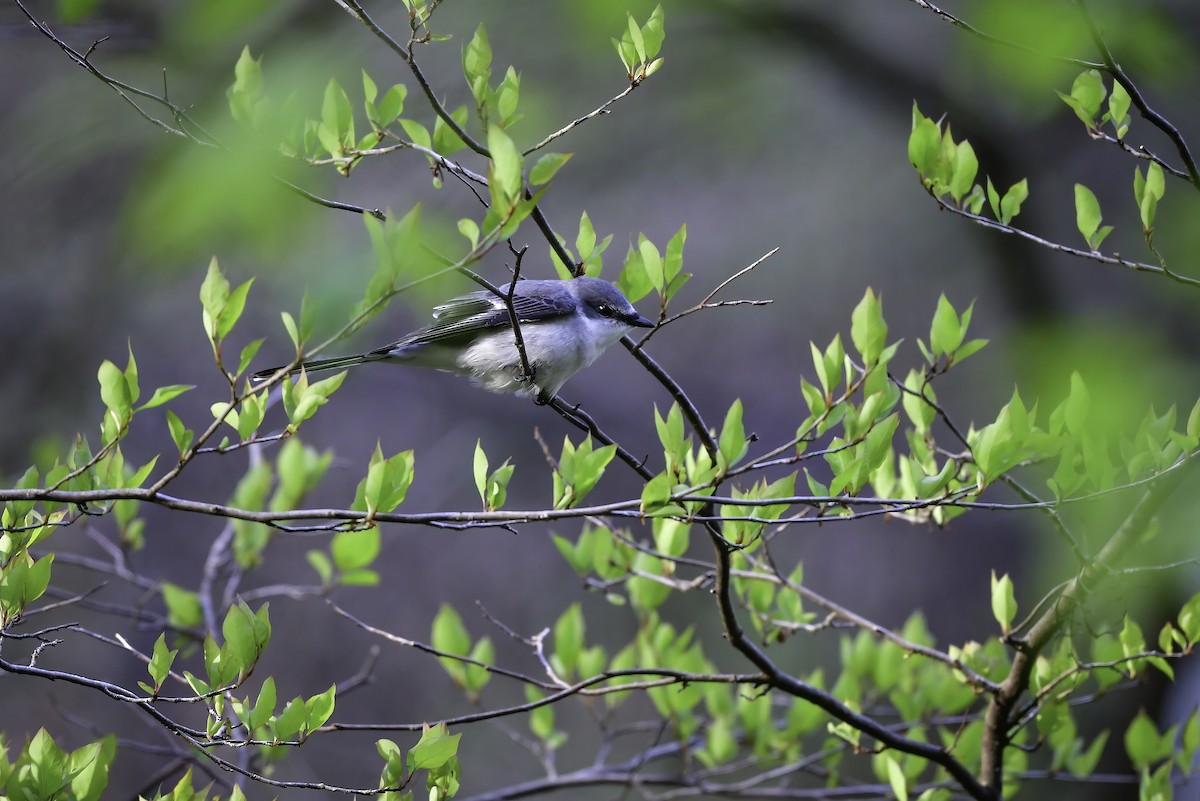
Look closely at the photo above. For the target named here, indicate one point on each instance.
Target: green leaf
(1004, 602)
(506, 164)
(1087, 212)
(946, 332)
(418, 133)
(568, 640)
(291, 719)
(635, 35)
(1077, 405)
(353, 550)
(733, 445)
(450, 635)
(1189, 619)
(895, 777)
(585, 241)
(180, 434)
(392, 104)
(435, 749)
(264, 706)
(247, 88)
(387, 482)
(993, 197)
(653, 263)
(445, 140)
(319, 708)
(506, 96)
(1087, 93)
(164, 394)
(238, 631)
(88, 768)
(1118, 109)
(470, 229)
(673, 259)
(370, 92)
(579, 470)
(249, 352)
(635, 281)
(924, 143)
(477, 59)
(1010, 206)
(183, 607)
(320, 563)
(337, 116)
(1147, 192)
(114, 391)
(1084, 763)
(964, 170)
(653, 32)
(1142, 742)
(160, 661)
(868, 331)
(545, 168)
(656, 492)
(479, 470)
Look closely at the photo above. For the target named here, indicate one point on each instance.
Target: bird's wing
(479, 311)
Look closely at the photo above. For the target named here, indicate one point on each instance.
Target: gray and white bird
(565, 326)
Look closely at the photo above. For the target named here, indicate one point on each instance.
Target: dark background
(771, 125)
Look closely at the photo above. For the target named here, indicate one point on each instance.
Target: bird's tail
(320, 365)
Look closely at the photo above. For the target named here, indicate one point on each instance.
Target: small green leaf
(924, 143)
(635, 281)
(1147, 192)
(964, 169)
(291, 719)
(114, 391)
(653, 32)
(946, 332)
(585, 241)
(1142, 742)
(1087, 212)
(1087, 93)
(180, 434)
(183, 607)
(546, 166)
(248, 354)
(895, 777)
(479, 470)
(868, 331)
(370, 92)
(506, 163)
(653, 263)
(337, 116)
(353, 550)
(733, 445)
(993, 197)
(1004, 602)
(160, 661)
(1010, 206)
(264, 706)
(1118, 109)
(392, 104)
(470, 229)
(319, 708)
(477, 58)
(568, 640)
(435, 749)
(165, 394)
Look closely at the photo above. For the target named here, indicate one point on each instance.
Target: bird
(565, 325)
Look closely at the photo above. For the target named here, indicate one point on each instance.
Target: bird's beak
(639, 321)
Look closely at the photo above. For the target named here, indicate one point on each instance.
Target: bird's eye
(604, 310)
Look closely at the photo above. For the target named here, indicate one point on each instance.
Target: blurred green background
(772, 124)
